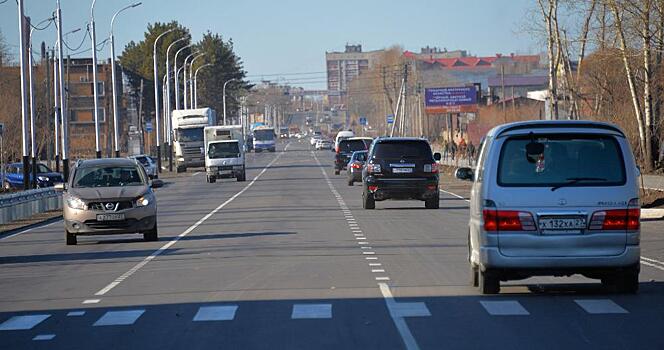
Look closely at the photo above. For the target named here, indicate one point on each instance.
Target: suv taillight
(431, 168)
(373, 168)
(618, 219)
(508, 220)
(356, 165)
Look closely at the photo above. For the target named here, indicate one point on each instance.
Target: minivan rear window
(350, 146)
(567, 160)
(403, 149)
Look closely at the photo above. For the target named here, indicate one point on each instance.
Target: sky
(292, 36)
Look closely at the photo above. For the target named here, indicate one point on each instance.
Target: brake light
(356, 165)
(508, 220)
(373, 168)
(431, 168)
(616, 219)
(372, 188)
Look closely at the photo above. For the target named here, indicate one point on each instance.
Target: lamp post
(31, 81)
(175, 69)
(156, 96)
(191, 79)
(95, 93)
(116, 141)
(63, 108)
(168, 101)
(185, 77)
(24, 94)
(196, 83)
(224, 96)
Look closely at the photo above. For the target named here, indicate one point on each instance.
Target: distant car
(355, 166)
(345, 149)
(554, 198)
(109, 196)
(323, 144)
(149, 165)
(401, 168)
(45, 176)
(315, 139)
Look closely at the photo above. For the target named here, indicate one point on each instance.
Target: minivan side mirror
(436, 156)
(464, 174)
(156, 183)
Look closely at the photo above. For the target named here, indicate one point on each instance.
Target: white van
(554, 198)
(342, 135)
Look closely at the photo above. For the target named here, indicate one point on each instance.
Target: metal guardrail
(21, 205)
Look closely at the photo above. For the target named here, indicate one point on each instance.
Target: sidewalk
(654, 182)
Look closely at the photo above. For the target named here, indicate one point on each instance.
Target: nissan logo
(562, 201)
(109, 206)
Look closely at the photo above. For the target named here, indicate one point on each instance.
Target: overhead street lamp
(191, 78)
(24, 94)
(168, 101)
(224, 96)
(175, 68)
(196, 83)
(95, 89)
(116, 141)
(185, 77)
(155, 68)
(63, 108)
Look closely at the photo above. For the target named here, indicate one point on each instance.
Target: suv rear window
(403, 149)
(350, 146)
(567, 160)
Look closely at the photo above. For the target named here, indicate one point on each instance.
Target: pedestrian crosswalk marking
(216, 313)
(600, 306)
(44, 337)
(504, 308)
(23, 322)
(304, 311)
(119, 318)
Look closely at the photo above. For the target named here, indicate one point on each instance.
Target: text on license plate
(562, 223)
(110, 217)
(402, 170)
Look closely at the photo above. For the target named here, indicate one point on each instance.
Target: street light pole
(175, 69)
(56, 111)
(33, 143)
(63, 108)
(185, 78)
(224, 96)
(156, 96)
(167, 123)
(196, 83)
(191, 79)
(114, 82)
(24, 95)
(95, 89)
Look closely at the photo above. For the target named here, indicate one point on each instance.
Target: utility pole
(404, 130)
(95, 89)
(31, 81)
(63, 108)
(24, 94)
(56, 113)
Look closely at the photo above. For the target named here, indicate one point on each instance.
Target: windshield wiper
(574, 180)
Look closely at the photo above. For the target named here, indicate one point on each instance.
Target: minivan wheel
(627, 282)
(488, 282)
(151, 235)
(433, 203)
(70, 238)
(368, 201)
(474, 275)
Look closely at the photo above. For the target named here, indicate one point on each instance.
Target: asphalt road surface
(289, 260)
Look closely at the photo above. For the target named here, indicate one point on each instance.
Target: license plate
(110, 217)
(562, 224)
(402, 170)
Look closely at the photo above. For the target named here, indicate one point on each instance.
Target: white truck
(224, 153)
(188, 125)
(264, 139)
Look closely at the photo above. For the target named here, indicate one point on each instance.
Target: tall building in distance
(343, 67)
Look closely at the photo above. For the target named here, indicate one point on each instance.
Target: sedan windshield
(108, 176)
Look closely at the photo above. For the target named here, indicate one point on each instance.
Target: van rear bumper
(491, 258)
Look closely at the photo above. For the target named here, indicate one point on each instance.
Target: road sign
(461, 99)
(363, 121)
(148, 126)
(390, 119)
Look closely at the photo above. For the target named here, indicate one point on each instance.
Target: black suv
(345, 150)
(401, 168)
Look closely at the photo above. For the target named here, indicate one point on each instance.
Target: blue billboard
(461, 99)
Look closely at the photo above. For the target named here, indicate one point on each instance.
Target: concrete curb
(652, 214)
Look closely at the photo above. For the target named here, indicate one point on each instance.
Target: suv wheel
(624, 281)
(488, 282)
(151, 235)
(337, 171)
(368, 201)
(70, 238)
(212, 179)
(350, 182)
(433, 203)
(242, 177)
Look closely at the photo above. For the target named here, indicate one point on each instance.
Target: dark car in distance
(346, 148)
(355, 166)
(401, 168)
(14, 176)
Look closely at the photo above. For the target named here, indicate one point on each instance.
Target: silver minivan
(554, 198)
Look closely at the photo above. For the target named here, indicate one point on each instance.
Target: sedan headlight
(42, 178)
(144, 200)
(75, 203)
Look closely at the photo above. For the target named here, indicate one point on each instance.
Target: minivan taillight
(618, 219)
(431, 168)
(508, 220)
(356, 165)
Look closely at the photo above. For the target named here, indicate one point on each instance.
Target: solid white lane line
(186, 232)
(91, 301)
(30, 229)
(307, 311)
(398, 319)
(75, 313)
(196, 173)
(600, 306)
(44, 337)
(455, 195)
(216, 313)
(652, 265)
(504, 308)
(119, 318)
(24, 322)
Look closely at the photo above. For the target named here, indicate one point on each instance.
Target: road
(289, 260)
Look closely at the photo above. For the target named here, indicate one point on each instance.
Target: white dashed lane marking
(44, 337)
(119, 318)
(91, 301)
(23, 322)
(305, 311)
(216, 313)
(600, 306)
(504, 308)
(75, 313)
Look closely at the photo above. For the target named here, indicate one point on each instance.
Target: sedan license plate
(110, 217)
(402, 170)
(562, 224)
